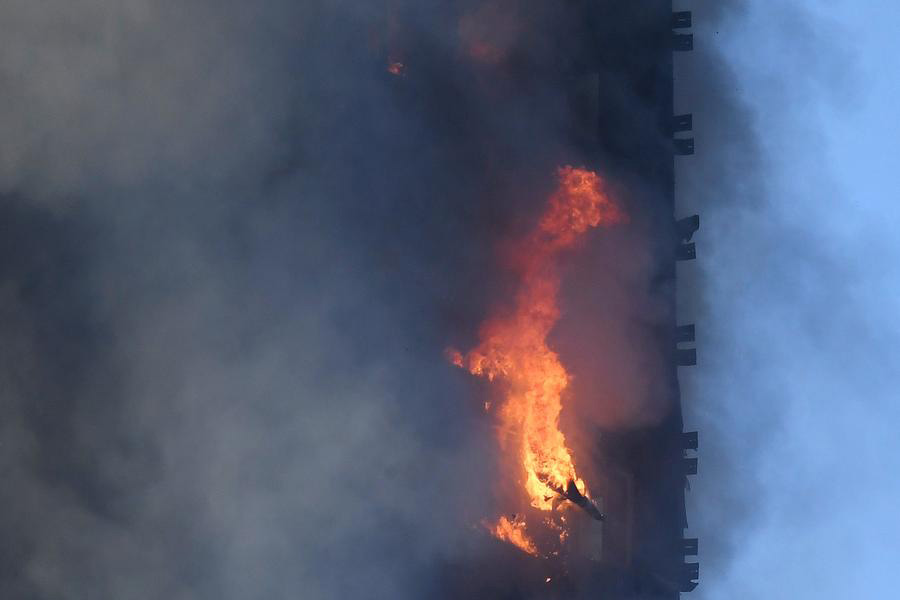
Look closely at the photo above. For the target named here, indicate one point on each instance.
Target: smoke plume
(235, 245)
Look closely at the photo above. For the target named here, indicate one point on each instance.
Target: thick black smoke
(230, 266)
(234, 248)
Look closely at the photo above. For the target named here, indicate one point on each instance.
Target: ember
(396, 68)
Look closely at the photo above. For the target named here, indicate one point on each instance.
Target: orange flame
(514, 533)
(514, 344)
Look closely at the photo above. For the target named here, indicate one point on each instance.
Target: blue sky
(799, 323)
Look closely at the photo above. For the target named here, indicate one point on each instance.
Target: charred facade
(613, 63)
(645, 553)
(654, 561)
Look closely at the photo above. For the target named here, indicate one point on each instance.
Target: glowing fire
(395, 67)
(513, 531)
(514, 344)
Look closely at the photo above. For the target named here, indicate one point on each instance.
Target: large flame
(514, 344)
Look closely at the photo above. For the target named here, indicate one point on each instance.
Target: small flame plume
(514, 344)
(513, 531)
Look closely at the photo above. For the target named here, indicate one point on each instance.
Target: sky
(224, 315)
(799, 328)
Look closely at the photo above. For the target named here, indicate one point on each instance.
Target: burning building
(593, 468)
(345, 300)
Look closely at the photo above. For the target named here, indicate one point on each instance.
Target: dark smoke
(234, 249)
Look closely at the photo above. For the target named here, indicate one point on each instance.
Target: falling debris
(574, 495)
